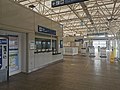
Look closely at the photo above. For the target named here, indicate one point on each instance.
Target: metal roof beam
(79, 17)
(81, 8)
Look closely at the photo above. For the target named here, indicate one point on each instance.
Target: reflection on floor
(75, 73)
(98, 54)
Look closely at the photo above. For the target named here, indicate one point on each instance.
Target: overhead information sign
(56, 3)
(46, 30)
(93, 34)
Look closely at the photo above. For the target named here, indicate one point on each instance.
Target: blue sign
(3, 41)
(46, 30)
(0, 57)
(56, 3)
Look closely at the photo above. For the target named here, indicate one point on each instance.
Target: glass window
(54, 46)
(61, 43)
(48, 43)
(43, 44)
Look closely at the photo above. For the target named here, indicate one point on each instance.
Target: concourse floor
(74, 73)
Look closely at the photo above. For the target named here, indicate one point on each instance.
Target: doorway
(16, 50)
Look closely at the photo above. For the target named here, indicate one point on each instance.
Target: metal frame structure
(93, 16)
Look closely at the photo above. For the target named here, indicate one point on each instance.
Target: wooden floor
(75, 73)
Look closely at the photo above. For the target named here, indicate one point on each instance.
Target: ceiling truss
(93, 16)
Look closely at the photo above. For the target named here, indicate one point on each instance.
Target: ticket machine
(4, 69)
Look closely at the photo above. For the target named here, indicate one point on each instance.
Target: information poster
(13, 54)
(14, 63)
(32, 45)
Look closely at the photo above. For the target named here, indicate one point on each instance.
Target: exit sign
(56, 3)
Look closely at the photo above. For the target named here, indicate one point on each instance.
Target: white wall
(23, 52)
(15, 17)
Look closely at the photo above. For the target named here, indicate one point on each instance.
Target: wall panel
(15, 16)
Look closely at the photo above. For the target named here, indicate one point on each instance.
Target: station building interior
(59, 45)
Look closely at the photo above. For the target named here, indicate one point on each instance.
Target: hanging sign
(56, 3)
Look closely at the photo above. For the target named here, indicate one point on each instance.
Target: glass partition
(43, 45)
(54, 46)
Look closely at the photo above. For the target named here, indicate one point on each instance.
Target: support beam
(85, 9)
(79, 17)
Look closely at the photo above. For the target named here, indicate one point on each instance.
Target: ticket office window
(38, 45)
(43, 45)
(46, 45)
(54, 46)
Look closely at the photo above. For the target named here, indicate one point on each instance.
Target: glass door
(14, 64)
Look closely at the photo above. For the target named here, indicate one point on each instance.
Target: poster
(32, 45)
(13, 61)
(13, 54)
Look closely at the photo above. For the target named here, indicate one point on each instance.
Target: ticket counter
(46, 51)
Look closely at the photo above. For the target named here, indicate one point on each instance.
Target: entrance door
(4, 70)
